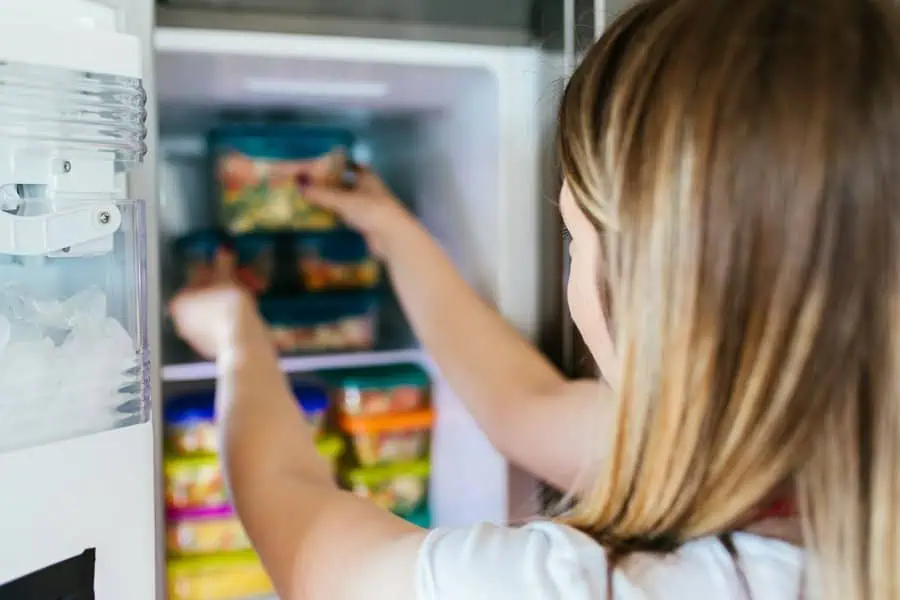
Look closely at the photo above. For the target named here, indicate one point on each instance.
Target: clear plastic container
(217, 577)
(313, 399)
(254, 253)
(401, 488)
(73, 343)
(331, 448)
(190, 424)
(196, 253)
(320, 322)
(205, 531)
(255, 261)
(381, 390)
(261, 169)
(389, 438)
(420, 517)
(195, 482)
(190, 419)
(335, 260)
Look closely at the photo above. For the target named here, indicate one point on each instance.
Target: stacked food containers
(316, 280)
(386, 415)
(210, 556)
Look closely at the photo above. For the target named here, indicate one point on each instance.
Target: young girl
(731, 192)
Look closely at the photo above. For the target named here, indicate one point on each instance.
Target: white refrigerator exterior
(94, 489)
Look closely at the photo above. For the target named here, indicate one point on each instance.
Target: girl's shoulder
(548, 561)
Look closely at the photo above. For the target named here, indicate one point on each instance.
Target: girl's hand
(369, 207)
(218, 314)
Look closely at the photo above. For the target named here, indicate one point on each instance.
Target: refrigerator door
(582, 22)
(77, 307)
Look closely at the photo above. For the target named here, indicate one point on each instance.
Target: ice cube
(65, 367)
(87, 307)
(5, 332)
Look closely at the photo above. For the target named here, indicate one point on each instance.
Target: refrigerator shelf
(205, 370)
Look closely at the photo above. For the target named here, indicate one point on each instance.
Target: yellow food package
(217, 577)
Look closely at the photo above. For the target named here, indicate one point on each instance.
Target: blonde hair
(740, 160)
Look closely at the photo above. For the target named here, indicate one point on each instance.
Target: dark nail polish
(302, 180)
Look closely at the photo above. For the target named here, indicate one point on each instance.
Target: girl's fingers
(340, 201)
(223, 266)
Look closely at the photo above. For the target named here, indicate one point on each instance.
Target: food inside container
(197, 252)
(205, 531)
(400, 488)
(313, 399)
(261, 171)
(388, 438)
(335, 260)
(189, 423)
(194, 482)
(230, 576)
(255, 262)
(380, 390)
(331, 448)
(324, 321)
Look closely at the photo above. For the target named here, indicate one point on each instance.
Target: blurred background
(453, 104)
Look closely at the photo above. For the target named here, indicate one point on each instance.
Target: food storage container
(194, 482)
(387, 438)
(261, 170)
(331, 448)
(420, 517)
(324, 321)
(189, 423)
(375, 391)
(335, 260)
(217, 577)
(313, 399)
(255, 255)
(196, 253)
(400, 488)
(205, 531)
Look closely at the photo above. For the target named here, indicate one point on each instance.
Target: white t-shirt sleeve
(540, 561)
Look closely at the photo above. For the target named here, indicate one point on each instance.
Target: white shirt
(546, 561)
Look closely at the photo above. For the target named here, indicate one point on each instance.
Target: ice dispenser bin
(73, 345)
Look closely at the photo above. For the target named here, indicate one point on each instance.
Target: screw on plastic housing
(66, 249)
(103, 218)
(67, 166)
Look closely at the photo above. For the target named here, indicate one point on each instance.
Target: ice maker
(76, 446)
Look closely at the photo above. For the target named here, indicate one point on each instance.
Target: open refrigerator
(456, 118)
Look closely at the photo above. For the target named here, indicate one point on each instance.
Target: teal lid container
(312, 309)
(199, 247)
(280, 141)
(379, 378)
(341, 246)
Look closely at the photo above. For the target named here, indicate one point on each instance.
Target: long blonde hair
(741, 161)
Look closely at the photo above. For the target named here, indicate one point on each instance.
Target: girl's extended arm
(316, 541)
(528, 410)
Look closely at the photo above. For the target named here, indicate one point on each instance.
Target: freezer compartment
(452, 130)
